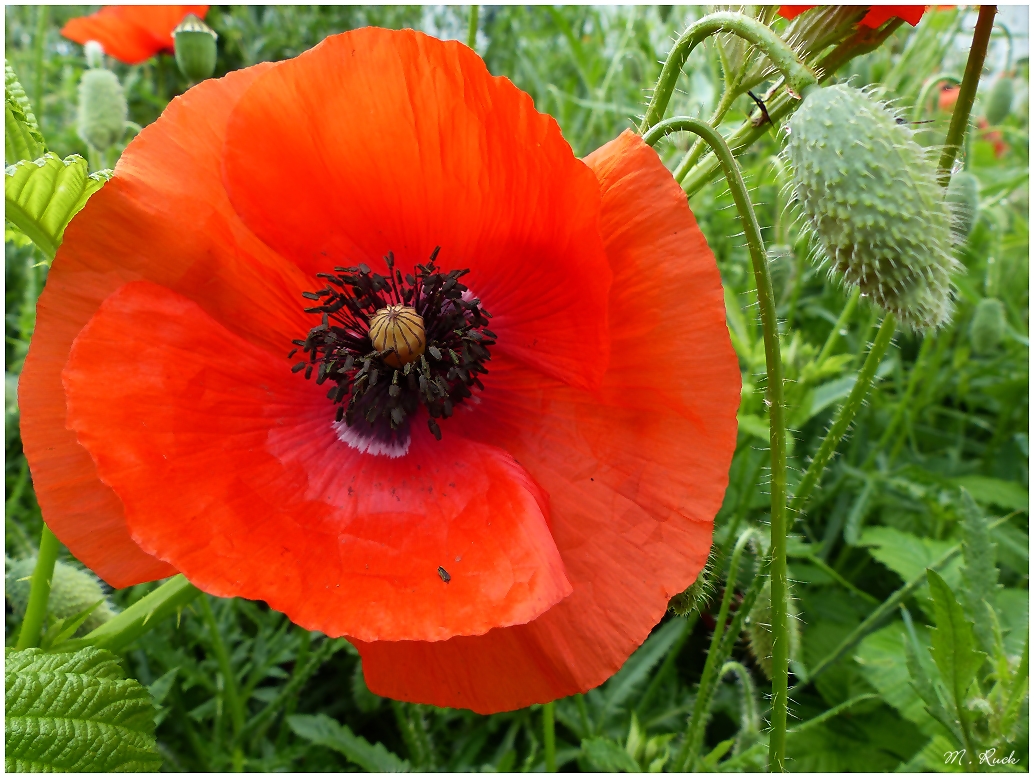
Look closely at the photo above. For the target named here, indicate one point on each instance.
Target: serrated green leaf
(22, 137)
(608, 757)
(906, 554)
(42, 196)
(924, 686)
(64, 628)
(979, 572)
(75, 712)
(952, 643)
(325, 731)
(994, 491)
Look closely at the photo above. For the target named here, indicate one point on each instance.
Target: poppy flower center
(390, 344)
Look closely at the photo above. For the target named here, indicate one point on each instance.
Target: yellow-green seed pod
(102, 109)
(71, 592)
(400, 329)
(963, 198)
(988, 326)
(195, 48)
(999, 102)
(873, 203)
(759, 629)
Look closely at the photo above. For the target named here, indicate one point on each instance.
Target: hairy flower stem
(797, 75)
(710, 675)
(782, 105)
(39, 591)
(846, 413)
(967, 93)
(776, 410)
(141, 616)
(549, 737)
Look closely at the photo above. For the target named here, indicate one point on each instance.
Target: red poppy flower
(994, 137)
(878, 14)
(574, 485)
(947, 97)
(131, 33)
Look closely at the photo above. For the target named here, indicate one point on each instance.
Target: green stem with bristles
(798, 76)
(776, 415)
(967, 93)
(39, 591)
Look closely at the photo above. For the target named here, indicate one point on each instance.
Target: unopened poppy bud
(988, 326)
(963, 198)
(72, 591)
(759, 629)
(102, 109)
(698, 595)
(999, 102)
(94, 52)
(873, 203)
(399, 329)
(195, 48)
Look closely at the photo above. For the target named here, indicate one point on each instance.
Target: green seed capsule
(999, 102)
(759, 629)
(71, 592)
(988, 326)
(195, 48)
(872, 201)
(963, 198)
(102, 109)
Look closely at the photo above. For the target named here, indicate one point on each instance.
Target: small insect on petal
(444, 574)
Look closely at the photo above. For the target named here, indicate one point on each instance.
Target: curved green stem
(472, 26)
(928, 86)
(782, 105)
(967, 93)
(846, 413)
(728, 98)
(1008, 47)
(710, 675)
(798, 76)
(549, 737)
(776, 411)
(39, 591)
(141, 616)
(230, 689)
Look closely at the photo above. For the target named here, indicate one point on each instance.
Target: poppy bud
(94, 52)
(195, 48)
(71, 592)
(873, 203)
(400, 329)
(698, 595)
(988, 326)
(102, 109)
(759, 629)
(963, 198)
(999, 102)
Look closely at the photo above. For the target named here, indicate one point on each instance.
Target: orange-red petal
(230, 468)
(879, 14)
(379, 140)
(635, 472)
(164, 216)
(131, 33)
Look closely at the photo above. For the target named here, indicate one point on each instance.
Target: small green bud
(988, 326)
(999, 102)
(698, 595)
(872, 201)
(759, 629)
(195, 48)
(963, 198)
(94, 52)
(71, 592)
(102, 109)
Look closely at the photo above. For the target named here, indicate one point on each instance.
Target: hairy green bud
(102, 109)
(999, 102)
(71, 592)
(759, 629)
(872, 201)
(963, 198)
(698, 595)
(94, 52)
(988, 326)
(195, 48)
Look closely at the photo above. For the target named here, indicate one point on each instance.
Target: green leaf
(994, 491)
(325, 731)
(64, 628)
(924, 686)
(979, 572)
(607, 756)
(22, 137)
(906, 554)
(42, 196)
(636, 670)
(952, 643)
(159, 690)
(75, 712)
(879, 657)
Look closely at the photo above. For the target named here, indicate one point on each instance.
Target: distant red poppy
(878, 14)
(947, 97)
(530, 550)
(994, 137)
(131, 33)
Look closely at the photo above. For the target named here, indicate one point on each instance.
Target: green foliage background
(888, 507)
